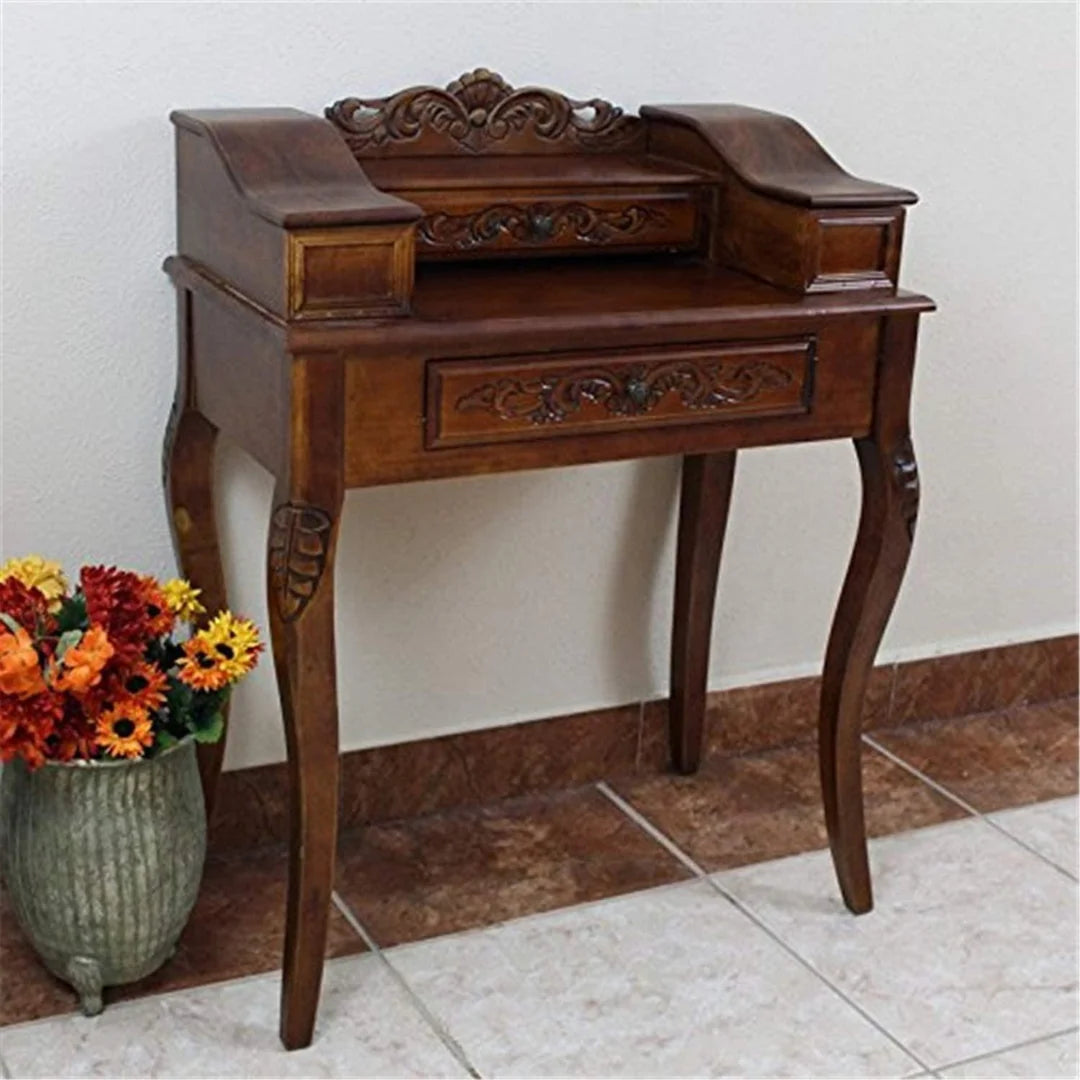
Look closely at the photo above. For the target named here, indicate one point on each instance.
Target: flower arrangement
(115, 668)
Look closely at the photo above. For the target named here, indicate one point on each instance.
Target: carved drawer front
(516, 222)
(472, 402)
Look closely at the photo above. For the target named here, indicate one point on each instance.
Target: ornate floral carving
(906, 478)
(628, 391)
(535, 223)
(299, 542)
(476, 110)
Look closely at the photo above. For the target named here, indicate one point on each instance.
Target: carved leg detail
(890, 488)
(703, 510)
(300, 583)
(301, 587)
(188, 476)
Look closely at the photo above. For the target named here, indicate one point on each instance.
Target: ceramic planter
(102, 862)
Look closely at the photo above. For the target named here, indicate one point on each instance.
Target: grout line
(929, 781)
(964, 805)
(662, 838)
(1008, 1049)
(645, 824)
(417, 1002)
(123, 1005)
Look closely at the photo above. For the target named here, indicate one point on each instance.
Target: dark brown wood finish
(188, 476)
(300, 584)
(400, 292)
(890, 487)
(707, 482)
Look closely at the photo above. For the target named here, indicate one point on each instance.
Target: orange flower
(20, 670)
(123, 731)
(143, 686)
(83, 663)
(202, 668)
(159, 616)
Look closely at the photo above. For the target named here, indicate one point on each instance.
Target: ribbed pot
(102, 862)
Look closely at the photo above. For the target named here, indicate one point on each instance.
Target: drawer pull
(631, 391)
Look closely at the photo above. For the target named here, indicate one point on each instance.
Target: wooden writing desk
(477, 279)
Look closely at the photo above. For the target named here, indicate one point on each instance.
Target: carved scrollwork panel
(298, 547)
(537, 223)
(630, 391)
(476, 112)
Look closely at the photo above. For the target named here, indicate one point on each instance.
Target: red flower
(73, 736)
(26, 725)
(27, 606)
(116, 601)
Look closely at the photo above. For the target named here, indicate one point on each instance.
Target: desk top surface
(543, 300)
(570, 287)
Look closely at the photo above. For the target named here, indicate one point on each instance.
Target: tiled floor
(654, 926)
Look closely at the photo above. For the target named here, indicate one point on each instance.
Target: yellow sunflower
(124, 731)
(202, 666)
(235, 642)
(38, 573)
(183, 599)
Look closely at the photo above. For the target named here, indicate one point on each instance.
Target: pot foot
(84, 973)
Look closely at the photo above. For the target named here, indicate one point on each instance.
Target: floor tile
(236, 928)
(740, 810)
(670, 982)
(27, 990)
(750, 719)
(985, 680)
(471, 768)
(996, 760)
(474, 867)
(1047, 1059)
(971, 946)
(367, 1027)
(1050, 828)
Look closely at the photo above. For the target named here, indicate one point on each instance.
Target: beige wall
(474, 602)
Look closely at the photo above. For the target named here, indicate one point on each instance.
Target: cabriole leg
(300, 582)
(188, 476)
(890, 496)
(703, 510)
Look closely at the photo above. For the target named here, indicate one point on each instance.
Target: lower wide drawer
(474, 402)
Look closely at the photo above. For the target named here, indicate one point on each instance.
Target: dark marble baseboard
(389, 783)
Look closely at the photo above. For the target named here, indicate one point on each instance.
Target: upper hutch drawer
(543, 397)
(509, 222)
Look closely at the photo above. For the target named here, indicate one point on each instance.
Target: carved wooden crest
(299, 541)
(480, 112)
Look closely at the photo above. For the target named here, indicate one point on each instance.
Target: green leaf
(72, 613)
(68, 639)
(9, 622)
(212, 731)
(165, 739)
